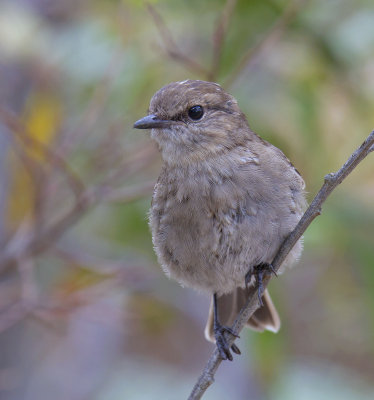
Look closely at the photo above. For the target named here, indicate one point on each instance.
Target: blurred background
(85, 310)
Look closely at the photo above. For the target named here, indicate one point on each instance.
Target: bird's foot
(221, 341)
(259, 271)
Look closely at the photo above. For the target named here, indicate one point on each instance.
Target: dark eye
(196, 112)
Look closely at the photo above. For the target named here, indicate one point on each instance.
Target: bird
(224, 202)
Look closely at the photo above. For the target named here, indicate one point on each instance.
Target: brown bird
(224, 202)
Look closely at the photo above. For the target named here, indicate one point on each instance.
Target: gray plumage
(225, 198)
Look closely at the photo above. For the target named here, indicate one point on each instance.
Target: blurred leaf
(79, 278)
(42, 118)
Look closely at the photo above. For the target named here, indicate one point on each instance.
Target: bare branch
(15, 313)
(129, 193)
(171, 47)
(71, 138)
(35, 244)
(139, 157)
(218, 38)
(36, 173)
(28, 296)
(268, 40)
(15, 126)
(29, 288)
(331, 182)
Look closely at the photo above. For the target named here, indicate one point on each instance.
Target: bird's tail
(229, 305)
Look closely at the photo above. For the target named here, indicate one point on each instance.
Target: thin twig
(139, 157)
(268, 40)
(13, 123)
(171, 47)
(37, 241)
(331, 182)
(37, 244)
(15, 313)
(36, 173)
(218, 38)
(71, 138)
(129, 193)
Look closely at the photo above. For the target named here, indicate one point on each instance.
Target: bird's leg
(259, 271)
(219, 333)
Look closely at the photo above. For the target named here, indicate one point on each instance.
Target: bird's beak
(150, 122)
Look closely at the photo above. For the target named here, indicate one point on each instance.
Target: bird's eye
(196, 112)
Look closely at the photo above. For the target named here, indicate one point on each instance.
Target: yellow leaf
(41, 118)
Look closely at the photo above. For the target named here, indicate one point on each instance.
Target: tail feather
(229, 305)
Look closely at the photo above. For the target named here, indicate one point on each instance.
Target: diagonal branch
(268, 40)
(219, 38)
(171, 47)
(13, 123)
(331, 182)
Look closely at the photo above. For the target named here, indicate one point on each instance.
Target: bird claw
(221, 341)
(260, 271)
(235, 349)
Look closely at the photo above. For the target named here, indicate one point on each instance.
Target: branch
(28, 246)
(268, 40)
(128, 193)
(72, 138)
(218, 38)
(15, 126)
(171, 48)
(332, 180)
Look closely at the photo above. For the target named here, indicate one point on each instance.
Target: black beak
(150, 122)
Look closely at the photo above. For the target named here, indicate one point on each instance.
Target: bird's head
(194, 120)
